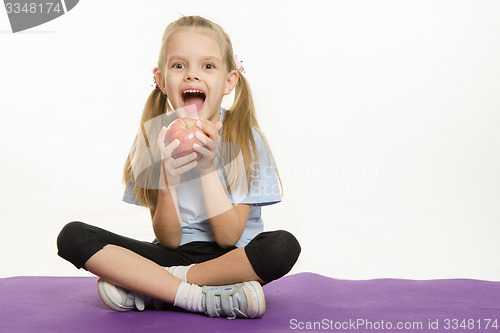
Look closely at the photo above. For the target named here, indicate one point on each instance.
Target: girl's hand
(172, 168)
(211, 140)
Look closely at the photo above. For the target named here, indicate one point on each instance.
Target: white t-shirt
(264, 191)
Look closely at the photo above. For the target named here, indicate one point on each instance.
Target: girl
(210, 254)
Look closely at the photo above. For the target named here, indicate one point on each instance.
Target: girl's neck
(216, 117)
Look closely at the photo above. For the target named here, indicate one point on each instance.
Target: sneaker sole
(256, 301)
(102, 288)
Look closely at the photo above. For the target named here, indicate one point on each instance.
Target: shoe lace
(237, 311)
(223, 303)
(138, 300)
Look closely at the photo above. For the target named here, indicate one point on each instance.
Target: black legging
(271, 254)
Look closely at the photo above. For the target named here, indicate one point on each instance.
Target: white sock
(179, 271)
(189, 297)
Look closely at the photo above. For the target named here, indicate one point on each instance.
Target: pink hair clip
(238, 65)
(154, 77)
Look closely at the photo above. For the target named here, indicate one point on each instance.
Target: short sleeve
(129, 195)
(265, 189)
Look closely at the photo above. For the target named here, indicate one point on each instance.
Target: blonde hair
(144, 159)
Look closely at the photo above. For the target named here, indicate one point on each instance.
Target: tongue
(193, 100)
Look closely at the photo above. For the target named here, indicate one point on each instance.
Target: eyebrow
(212, 58)
(207, 58)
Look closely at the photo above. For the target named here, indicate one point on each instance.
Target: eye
(209, 66)
(178, 65)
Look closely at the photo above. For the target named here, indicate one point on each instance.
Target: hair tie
(238, 65)
(154, 77)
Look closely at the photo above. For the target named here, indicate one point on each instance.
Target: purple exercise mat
(301, 302)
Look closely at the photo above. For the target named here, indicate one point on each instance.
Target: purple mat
(304, 301)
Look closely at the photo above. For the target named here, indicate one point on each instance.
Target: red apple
(185, 130)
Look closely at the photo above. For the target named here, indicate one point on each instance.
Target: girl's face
(196, 73)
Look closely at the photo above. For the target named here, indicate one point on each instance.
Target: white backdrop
(383, 117)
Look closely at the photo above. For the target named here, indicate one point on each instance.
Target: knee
(69, 237)
(285, 250)
(273, 254)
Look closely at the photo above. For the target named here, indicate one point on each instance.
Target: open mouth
(194, 97)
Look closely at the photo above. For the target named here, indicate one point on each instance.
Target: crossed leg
(272, 255)
(130, 270)
(232, 267)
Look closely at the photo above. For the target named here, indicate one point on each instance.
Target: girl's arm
(228, 221)
(166, 219)
(166, 222)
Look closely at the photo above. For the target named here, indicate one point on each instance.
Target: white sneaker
(244, 300)
(119, 299)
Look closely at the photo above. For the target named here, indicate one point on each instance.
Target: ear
(160, 81)
(231, 80)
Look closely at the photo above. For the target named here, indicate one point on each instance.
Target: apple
(185, 130)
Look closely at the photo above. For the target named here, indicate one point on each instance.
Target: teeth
(193, 91)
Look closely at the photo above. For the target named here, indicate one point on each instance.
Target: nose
(192, 75)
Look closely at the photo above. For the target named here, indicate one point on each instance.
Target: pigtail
(238, 123)
(143, 162)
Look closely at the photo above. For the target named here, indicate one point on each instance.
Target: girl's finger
(161, 138)
(169, 149)
(201, 150)
(186, 168)
(218, 126)
(178, 162)
(203, 138)
(208, 127)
